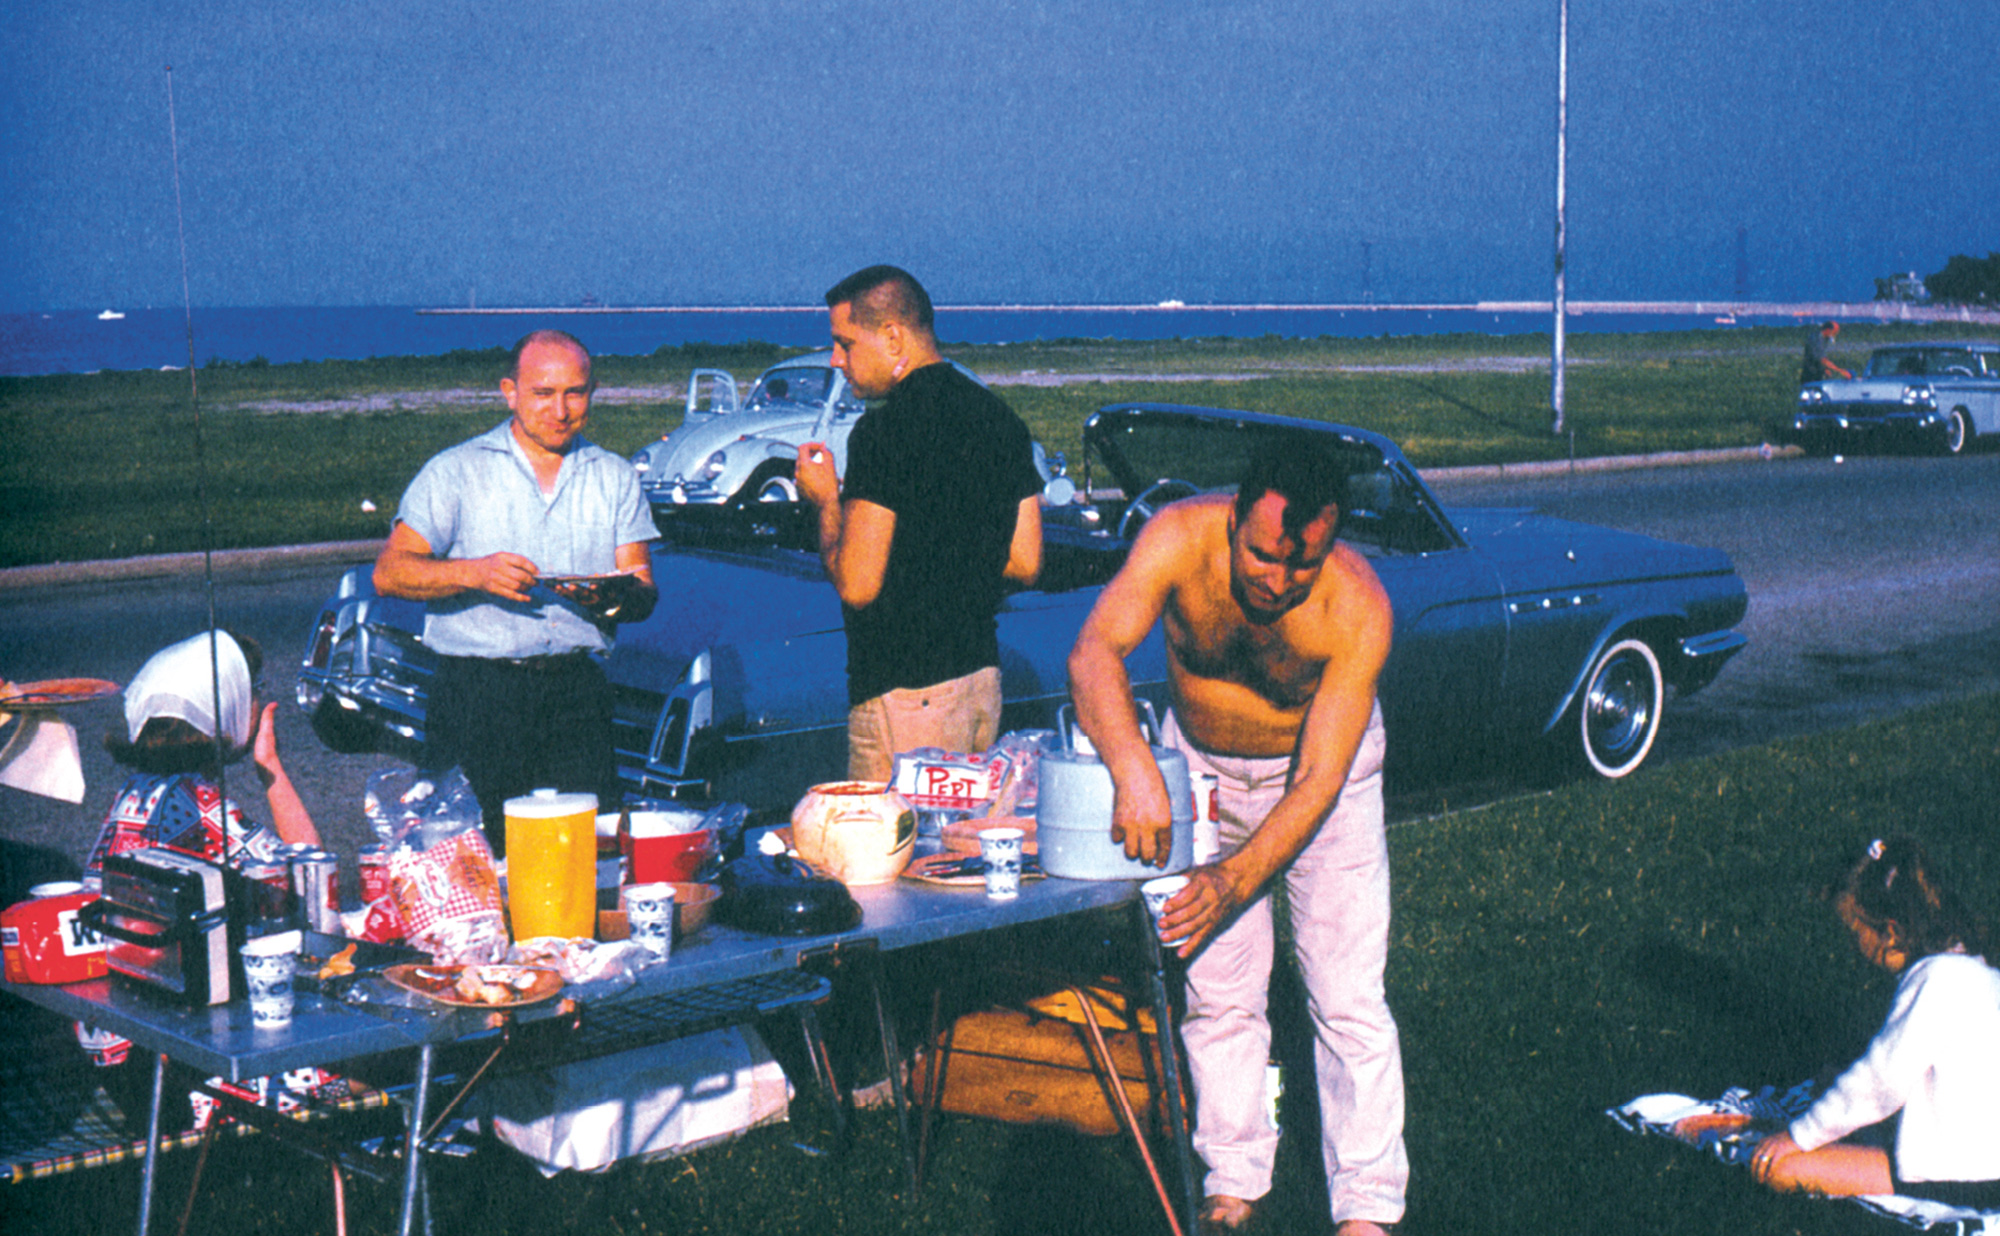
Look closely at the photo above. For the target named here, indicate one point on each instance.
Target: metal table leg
(1170, 1065)
(892, 1058)
(413, 1161)
(147, 1173)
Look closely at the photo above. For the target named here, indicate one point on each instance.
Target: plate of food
(601, 595)
(962, 836)
(478, 987)
(52, 692)
(962, 870)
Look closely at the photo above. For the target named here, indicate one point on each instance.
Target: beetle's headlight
(712, 466)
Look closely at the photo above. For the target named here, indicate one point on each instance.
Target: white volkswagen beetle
(730, 450)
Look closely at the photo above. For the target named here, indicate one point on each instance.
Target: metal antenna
(200, 475)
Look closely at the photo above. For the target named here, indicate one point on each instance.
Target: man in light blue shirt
(520, 699)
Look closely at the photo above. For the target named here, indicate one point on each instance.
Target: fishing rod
(200, 477)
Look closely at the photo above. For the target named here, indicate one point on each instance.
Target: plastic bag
(441, 873)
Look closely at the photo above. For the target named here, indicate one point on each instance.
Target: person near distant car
(1818, 365)
(520, 700)
(1276, 634)
(939, 515)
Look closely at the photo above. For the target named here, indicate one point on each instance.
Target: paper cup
(1000, 850)
(649, 911)
(269, 965)
(1157, 894)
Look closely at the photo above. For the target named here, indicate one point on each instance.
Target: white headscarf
(177, 682)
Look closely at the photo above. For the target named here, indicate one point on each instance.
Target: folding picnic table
(720, 960)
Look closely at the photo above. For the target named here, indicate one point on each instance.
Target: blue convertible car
(1511, 628)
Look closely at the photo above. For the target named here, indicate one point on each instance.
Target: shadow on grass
(1780, 1032)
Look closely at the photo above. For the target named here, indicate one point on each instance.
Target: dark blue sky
(711, 152)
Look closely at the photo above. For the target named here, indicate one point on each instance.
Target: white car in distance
(738, 450)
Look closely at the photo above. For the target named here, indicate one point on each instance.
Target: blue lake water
(77, 341)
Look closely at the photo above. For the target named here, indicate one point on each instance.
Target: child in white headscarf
(172, 798)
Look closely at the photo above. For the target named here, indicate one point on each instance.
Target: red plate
(52, 692)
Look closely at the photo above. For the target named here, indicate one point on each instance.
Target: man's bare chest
(1263, 659)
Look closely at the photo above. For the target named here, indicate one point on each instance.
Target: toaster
(166, 917)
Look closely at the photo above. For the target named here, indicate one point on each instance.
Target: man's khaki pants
(962, 714)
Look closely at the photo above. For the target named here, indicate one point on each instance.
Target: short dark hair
(883, 294)
(1309, 474)
(169, 746)
(545, 335)
(1892, 883)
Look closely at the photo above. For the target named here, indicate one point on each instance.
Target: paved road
(1874, 583)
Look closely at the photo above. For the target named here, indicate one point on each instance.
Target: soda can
(273, 903)
(1207, 817)
(373, 860)
(316, 880)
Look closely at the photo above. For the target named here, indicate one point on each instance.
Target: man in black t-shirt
(939, 517)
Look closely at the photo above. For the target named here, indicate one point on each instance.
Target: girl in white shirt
(1936, 1059)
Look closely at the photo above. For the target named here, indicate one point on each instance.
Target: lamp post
(1556, 425)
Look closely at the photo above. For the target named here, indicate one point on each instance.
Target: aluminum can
(273, 902)
(316, 880)
(373, 861)
(1207, 817)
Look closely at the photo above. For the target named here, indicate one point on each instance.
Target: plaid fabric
(36, 1097)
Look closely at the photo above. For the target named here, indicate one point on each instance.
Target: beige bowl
(692, 903)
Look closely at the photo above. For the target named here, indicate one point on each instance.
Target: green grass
(103, 465)
(1552, 957)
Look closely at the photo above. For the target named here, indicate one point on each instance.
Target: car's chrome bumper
(1703, 656)
(1835, 422)
(680, 493)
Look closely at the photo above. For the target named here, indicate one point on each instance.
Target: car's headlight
(712, 466)
(1811, 395)
(1919, 396)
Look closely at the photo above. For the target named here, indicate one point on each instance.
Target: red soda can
(273, 904)
(373, 861)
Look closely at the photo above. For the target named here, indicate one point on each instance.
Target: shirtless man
(1275, 633)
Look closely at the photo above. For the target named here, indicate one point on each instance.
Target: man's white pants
(1338, 893)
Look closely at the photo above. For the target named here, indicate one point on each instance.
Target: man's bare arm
(1024, 553)
(1135, 599)
(408, 568)
(635, 558)
(854, 537)
(1336, 721)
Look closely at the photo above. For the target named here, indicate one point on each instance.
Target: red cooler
(46, 942)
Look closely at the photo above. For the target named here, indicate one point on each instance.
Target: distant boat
(1171, 304)
(111, 315)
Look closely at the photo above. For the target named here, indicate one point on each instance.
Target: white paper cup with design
(269, 965)
(649, 909)
(1000, 851)
(1157, 894)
